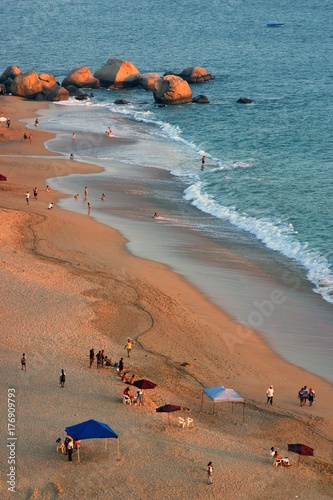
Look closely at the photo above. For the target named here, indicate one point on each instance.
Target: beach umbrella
(144, 384)
(168, 409)
(301, 449)
(91, 429)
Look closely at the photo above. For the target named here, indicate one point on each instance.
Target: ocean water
(267, 182)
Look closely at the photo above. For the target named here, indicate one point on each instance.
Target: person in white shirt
(270, 394)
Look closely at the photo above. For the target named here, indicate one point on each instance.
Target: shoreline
(170, 307)
(253, 285)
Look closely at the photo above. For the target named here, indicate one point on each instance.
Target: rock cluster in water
(171, 88)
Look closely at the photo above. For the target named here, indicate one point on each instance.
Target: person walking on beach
(305, 395)
(91, 357)
(311, 396)
(8, 122)
(24, 362)
(36, 123)
(128, 346)
(89, 207)
(35, 191)
(210, 473)
(62, 378)
(270, 394)
(30, 137)
(27, 196)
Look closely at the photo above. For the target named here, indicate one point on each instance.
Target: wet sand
(69, 284)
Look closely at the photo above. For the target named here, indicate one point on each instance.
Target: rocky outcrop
(147, 80)
(201, 99)
(244, 100)
(26, 85)
(77, 93)
(58, 94)
(196, 74)
(32, 86)
(172, 90)
(48, 82)
(81, 78)
(117, 73)
(11, 72)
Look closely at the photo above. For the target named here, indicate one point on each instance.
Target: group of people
(35, 192)
(101, 359)
(133, 399)
(26, 137)
(305, 394)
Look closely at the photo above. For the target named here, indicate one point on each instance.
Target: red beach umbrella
(168, 409)
(144, 384)
(301, 449)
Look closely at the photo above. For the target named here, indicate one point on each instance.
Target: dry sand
(68, 284)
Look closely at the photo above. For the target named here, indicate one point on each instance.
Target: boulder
(48, 82)
(10, 72)
(147, 80)
(58, 94)
(81, 78)
(77, 93)
(121, 101)
(117, 73)
(244, 100)
(26, 85)
(172, 89)
(196, 74)
(201, 99)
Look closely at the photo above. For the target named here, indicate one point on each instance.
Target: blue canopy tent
(91, 429)
(220, 394)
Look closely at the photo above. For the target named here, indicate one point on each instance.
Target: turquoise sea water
(269, 164)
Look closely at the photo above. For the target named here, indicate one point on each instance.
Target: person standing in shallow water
(89, 208)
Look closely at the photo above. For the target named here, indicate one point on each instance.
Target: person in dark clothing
(91, 356)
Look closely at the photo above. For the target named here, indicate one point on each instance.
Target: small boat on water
(274, 25)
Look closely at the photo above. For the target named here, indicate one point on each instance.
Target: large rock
(58, 94)
(196, 74)
(26, 85)
(147, 80)
(81, 78)
(201, 99)
(10, 72)
(118, 73)
(172, 89)
(48, 82)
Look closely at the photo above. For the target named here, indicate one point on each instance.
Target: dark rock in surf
(244, 100)
(121, 101)
(201, 99)
(196, 74)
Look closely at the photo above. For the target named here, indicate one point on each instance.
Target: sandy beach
(68, 284)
